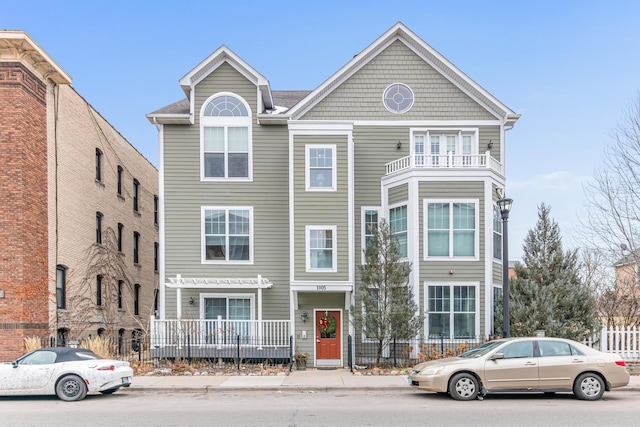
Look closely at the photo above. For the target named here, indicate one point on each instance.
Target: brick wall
(23, 208)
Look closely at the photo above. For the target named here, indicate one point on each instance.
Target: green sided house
(267, 199)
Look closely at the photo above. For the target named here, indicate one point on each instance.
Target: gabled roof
(400, 32)
(224, 55)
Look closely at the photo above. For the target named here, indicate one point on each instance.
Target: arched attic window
(225, 125)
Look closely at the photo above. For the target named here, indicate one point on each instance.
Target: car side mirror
(497, 356)
(14, 364)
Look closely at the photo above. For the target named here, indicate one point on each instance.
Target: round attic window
(398, 98)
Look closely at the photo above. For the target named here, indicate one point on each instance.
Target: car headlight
(433, 370)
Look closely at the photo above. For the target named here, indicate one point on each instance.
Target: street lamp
(505, 206)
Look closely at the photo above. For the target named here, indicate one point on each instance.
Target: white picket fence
(619, 340)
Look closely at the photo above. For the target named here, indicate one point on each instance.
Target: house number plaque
(321, 287)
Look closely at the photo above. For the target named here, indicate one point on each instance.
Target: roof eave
(170, 119)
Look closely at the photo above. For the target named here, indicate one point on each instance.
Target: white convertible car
(70, 373)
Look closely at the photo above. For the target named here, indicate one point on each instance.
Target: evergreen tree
(388, 310)
(548, 293)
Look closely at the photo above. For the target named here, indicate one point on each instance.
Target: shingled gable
(399, 32)
(176, 114)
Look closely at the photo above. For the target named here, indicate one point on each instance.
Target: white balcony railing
(219, 333)
(445, 161)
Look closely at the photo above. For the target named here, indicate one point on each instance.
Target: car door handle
(530, 364)
(577, 361)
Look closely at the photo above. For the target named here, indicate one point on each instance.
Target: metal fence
(406, 353)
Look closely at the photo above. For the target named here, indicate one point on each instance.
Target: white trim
(334, 248)
(363, 240)
(321, 286)
(404, 203)
(307, 167)
(225, 123)
(425, 225)
(329, 362)
(161, 231)
(384, 98)
(428, 284)
(250, 297)
(203, 243)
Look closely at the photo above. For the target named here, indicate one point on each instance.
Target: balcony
(445, 162)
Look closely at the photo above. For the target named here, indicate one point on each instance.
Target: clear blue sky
(571, 68)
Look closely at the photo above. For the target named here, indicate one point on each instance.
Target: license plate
(126, 380)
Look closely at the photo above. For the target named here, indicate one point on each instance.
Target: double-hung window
(497, 233)
(451, 229)
(225, 125)
(320, 167)
(321, 248)
(452, 311)
(227, 234)
(398, 226)
(369, 220)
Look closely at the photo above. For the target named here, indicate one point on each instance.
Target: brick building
(78, 210)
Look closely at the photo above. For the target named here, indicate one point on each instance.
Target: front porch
(218, 338)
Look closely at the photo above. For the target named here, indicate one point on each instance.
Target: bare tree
(115, 296)
(612, 228)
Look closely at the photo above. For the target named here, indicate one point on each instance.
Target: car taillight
(106, 368)
(620, 363)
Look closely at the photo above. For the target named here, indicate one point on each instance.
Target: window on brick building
(61, 285)
(136, 245)
(120, 171)
(136, 187)
(155, 209)
(98, 165)
(99, 227)
(120, 229)
(136, 299)
(120, 288)
(155, 256)
(98, 290)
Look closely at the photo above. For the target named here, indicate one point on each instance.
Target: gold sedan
(518, 365)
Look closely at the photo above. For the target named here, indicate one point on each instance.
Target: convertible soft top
(68, 354)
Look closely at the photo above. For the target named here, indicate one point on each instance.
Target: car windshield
(481, 350)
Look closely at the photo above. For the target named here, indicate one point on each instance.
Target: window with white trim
(369, 220)
(226, 234)
(497, 233)
(233, 311)
(398, 226)
(451, 229)
(321, 248)
(452, 311)
(320, 167)
(446, 148)
(225, 125)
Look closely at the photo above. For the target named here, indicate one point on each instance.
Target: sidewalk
(311, 379)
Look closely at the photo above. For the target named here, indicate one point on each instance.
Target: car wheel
(110, 391)
(464, 387)
(71, 388)
(588, 386)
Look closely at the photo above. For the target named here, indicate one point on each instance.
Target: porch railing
(443, 161)
(218, 333)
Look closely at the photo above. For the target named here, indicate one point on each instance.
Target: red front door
(328, 338)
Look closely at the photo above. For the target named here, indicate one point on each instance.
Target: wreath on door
(327, 324)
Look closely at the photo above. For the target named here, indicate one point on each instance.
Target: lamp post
(505, 206)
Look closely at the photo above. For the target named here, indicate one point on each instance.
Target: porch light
(304, 316)
(191, 301)
(504, 205)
